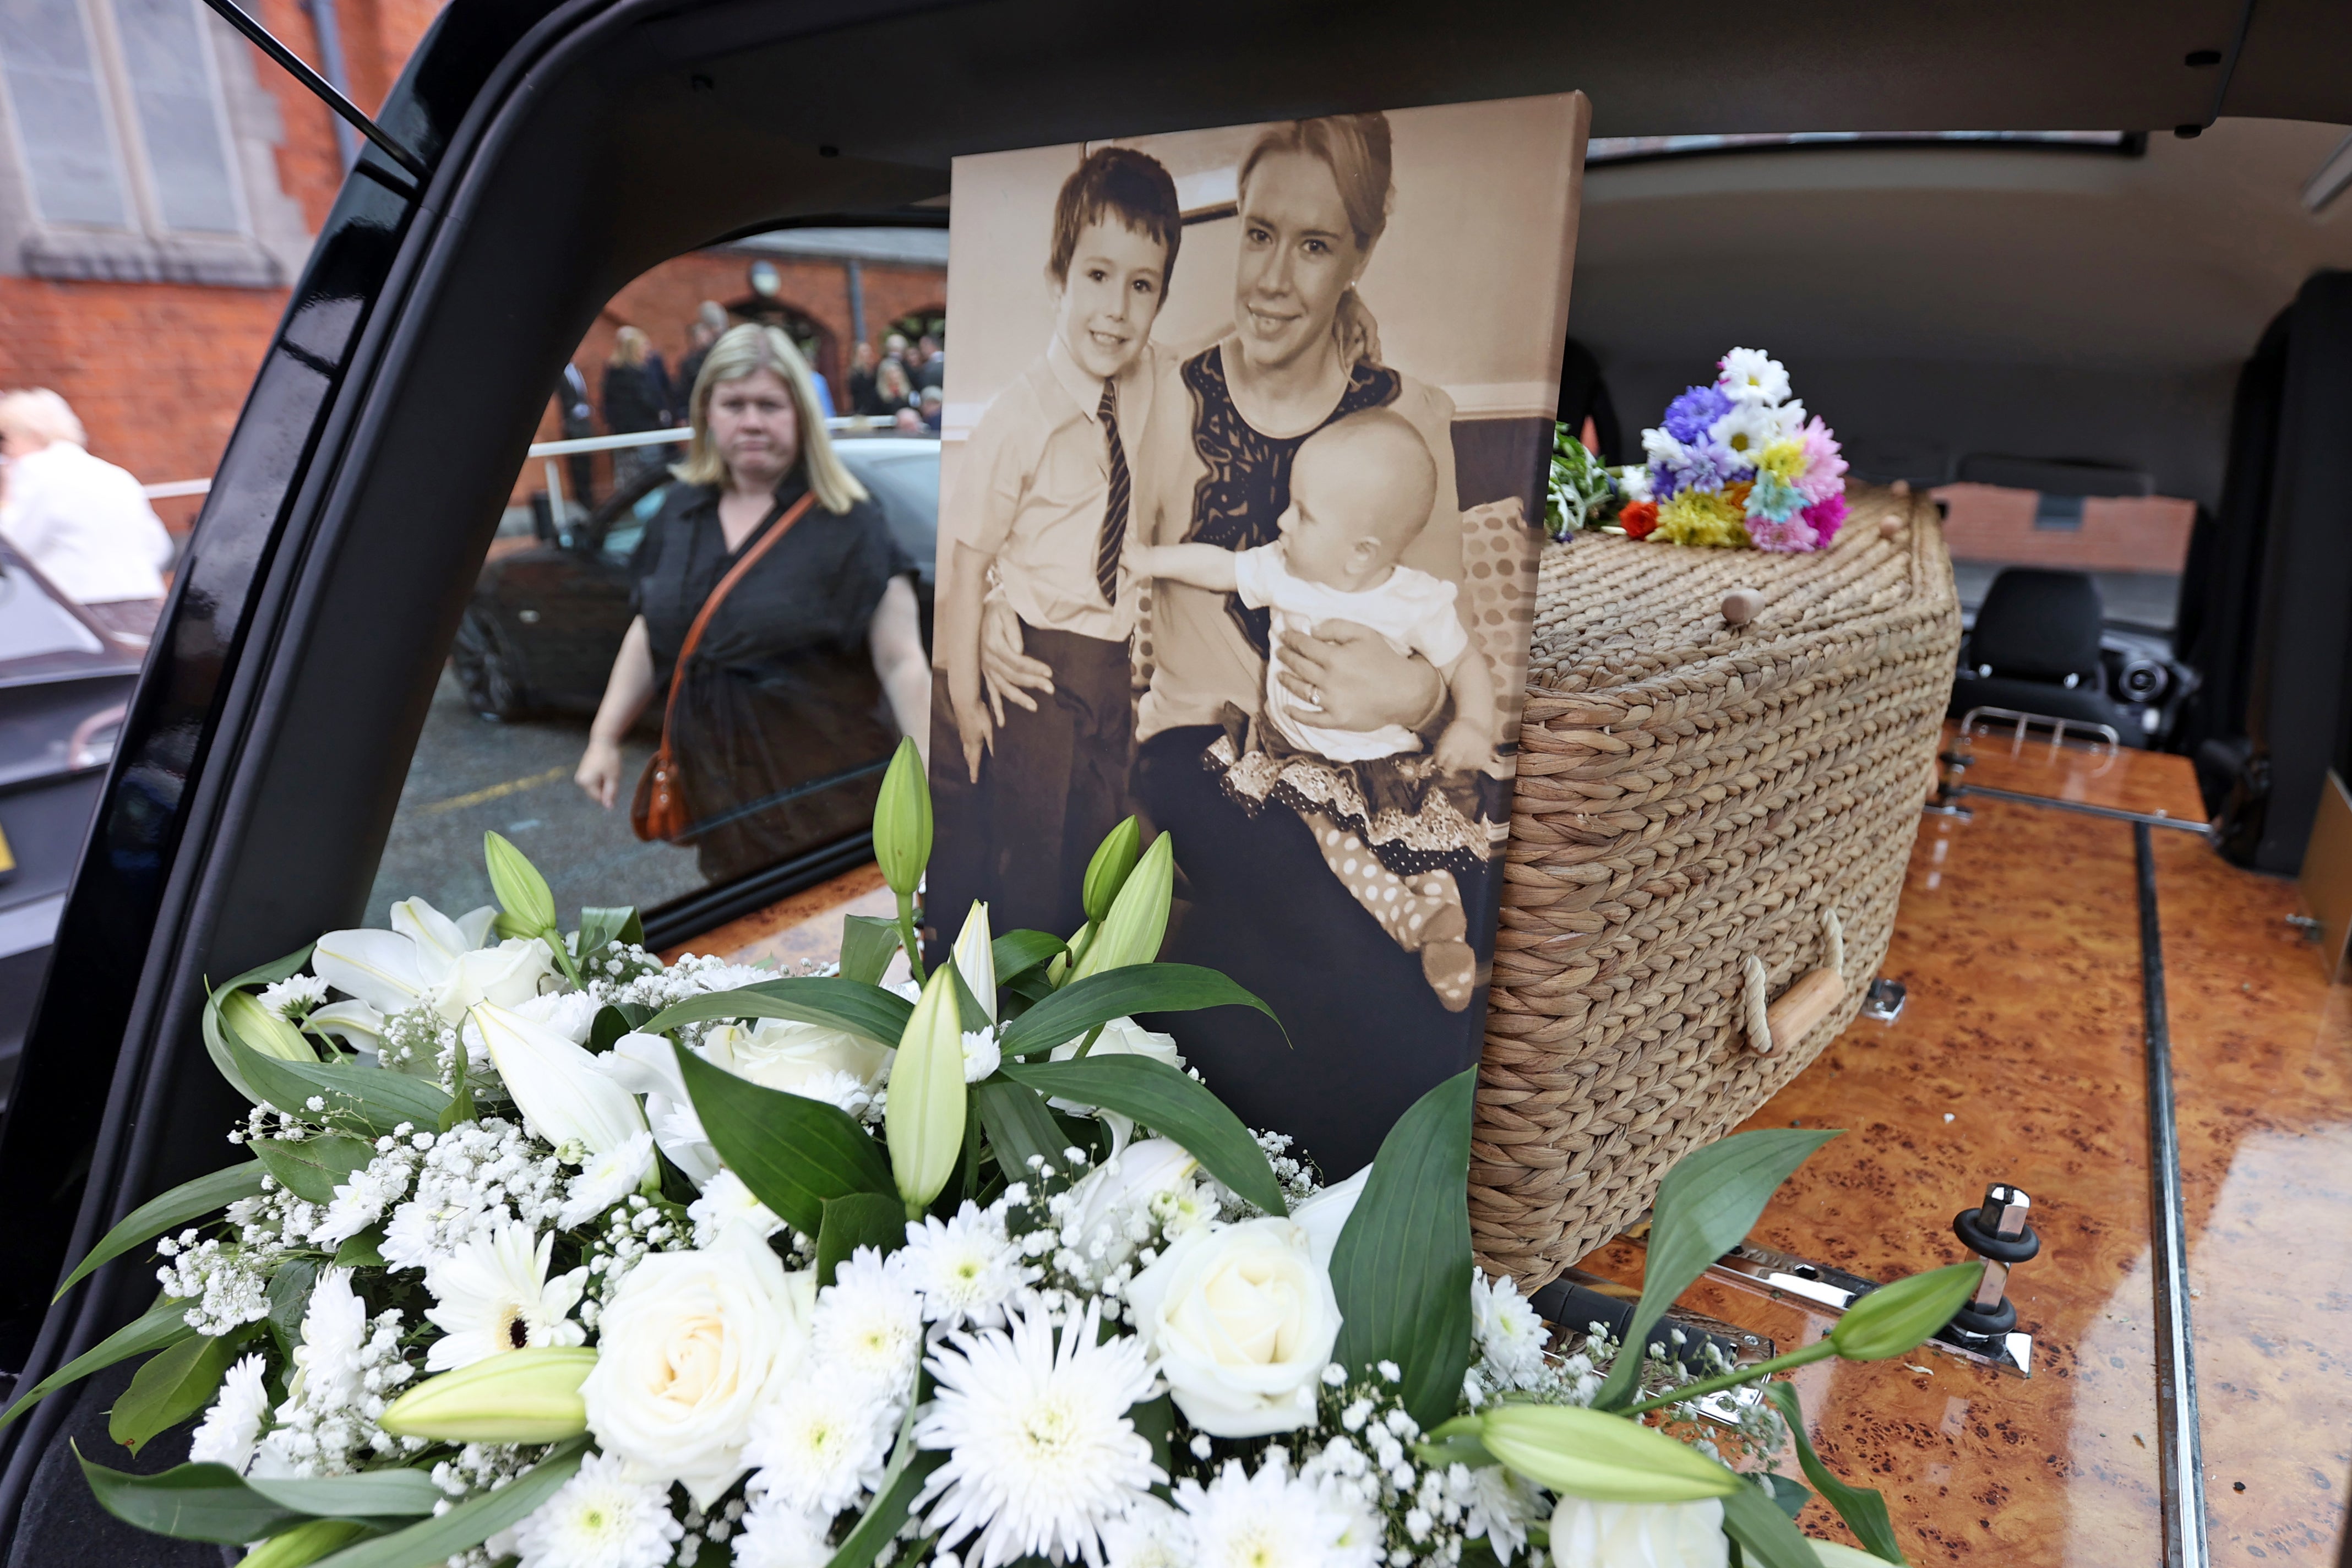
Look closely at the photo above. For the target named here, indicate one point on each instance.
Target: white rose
(1125, 1037)
(781, 1053)
(507, 975)
(1242, 1320)
(1632, 1534)
(688, 1349)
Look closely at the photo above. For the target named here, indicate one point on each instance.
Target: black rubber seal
(1985, 1244)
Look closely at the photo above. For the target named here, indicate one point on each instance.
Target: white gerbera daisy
(1041, 1454)
(868, 1325)
(598, 1519)
(1510, 1335)
(776, 1535)
(606, 1179)
(1752, 377)
(1747, 430)
(294, 997)
(1152, 1535)
(966, 1269)
(495, 1297)
(820, 1442)
(233, 1425)
(981, 1054)
(726, 1201)
(1241, 1521)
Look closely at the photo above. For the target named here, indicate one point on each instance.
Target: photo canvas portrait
(1244, 450)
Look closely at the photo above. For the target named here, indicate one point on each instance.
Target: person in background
(636, 398)
(930, 365)
(907, 422)
(700, 333)
(812, 665)
(82, 522)
(933, 409)
(892, 392)
(863, 363)
(578, 417)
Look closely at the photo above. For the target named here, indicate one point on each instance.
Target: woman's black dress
(781, 695)
(1366, 1035)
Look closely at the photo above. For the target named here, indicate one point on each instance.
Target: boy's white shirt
(1413, 610)
(1036, 478)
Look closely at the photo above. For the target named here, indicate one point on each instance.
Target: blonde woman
(813, 664)
(637, 397)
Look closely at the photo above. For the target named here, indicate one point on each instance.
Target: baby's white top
(1411, 609)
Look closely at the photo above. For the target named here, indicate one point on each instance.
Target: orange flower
(1638, 519)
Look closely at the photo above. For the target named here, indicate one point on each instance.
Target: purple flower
(1690, 417)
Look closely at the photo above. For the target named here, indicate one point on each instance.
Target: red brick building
(161, 183)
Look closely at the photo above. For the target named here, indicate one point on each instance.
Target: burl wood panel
(802, 929)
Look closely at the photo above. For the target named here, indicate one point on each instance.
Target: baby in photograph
(1360, 492)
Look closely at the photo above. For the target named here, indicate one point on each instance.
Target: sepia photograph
(1242, 464)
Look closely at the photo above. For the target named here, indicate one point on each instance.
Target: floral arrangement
(1738, 463)
(545, 1251)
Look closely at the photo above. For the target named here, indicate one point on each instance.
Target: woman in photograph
(1366, 1033)
(811, 666)
(636, 399)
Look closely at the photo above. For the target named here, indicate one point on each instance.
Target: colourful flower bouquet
(546, 1251)
(1738, 463)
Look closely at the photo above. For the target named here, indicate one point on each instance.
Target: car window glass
(785, 723)
(33, 624)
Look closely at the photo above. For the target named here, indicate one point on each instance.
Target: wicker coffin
(1691, 793)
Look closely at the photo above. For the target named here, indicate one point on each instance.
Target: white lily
(556, 1084)
(644, 1064)
(1325, 1216)
(427, 958)
(976, 959)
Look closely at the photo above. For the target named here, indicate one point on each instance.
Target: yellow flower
(1701, 517)
(1783, 460)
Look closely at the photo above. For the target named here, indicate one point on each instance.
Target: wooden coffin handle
(1813, 998)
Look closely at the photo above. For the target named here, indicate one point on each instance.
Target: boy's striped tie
(1114, 529)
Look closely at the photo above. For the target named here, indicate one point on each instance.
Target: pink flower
(1784, 538)
(1824, 471)
(1824, 516)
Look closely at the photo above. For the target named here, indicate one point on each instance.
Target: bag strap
(750, 558)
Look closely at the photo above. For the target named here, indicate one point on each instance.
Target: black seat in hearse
(2035, 649)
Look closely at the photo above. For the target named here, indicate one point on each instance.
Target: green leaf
(261, 974)
(1864, 1511)
(609, 1025)
(909, 1467)
(1018, 1123)
(1767, 1537)
(289, 1298)
(305, 1543)
(1402, 1268)
(358, 1096)
(521, 891)
(1178, 1107)
(313, 1169)
(1706, 1206)
(1155, 1421)
(165, 1323)
(174, 1383)
(168, 1211)
(867, 943)
(1018, 952)
(861, 1219)
(794, 1154)
(364, 1250)
(1606, 1459)
(971, 1017)
(188, 1502)
(1894, 1318)
(1122, 993)
(471, 1523)
(370, 1494)
(601, 927)
(864, 1010)
(1790, 1495)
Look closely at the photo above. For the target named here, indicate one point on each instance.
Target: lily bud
(976, 959)
(522, 891)
(1107, 872)
(304, 1544)
(1591, 1454)
(557, 1086)
(902, 821)
(516, 1396)
(1893, 1319)
(264, 1030)
(1137, 922)
(926, 1115)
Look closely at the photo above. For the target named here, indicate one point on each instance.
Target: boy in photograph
(1045, 492)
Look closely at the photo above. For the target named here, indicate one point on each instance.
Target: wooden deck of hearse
(2021, 1057)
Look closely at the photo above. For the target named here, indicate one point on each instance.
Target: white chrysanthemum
(842, 1089)
(776, 1535)
(726, 1201)
(1603, 1534)
(1041, 1453)
(1241, 1521)
(1636, 482)
(606, 1179)
(823, 1440)
(966, 1269)
(1752, 377)
(731, 977)
(233, 1425)
(495, 1297)
(293, 997)
(1747, 430)
(868, 1325)
(1663, 450)
(1511, 1335)
(1496, 1504)
(599, 1519)
(334, 1332)
(981, 1054)
(1152, 1535)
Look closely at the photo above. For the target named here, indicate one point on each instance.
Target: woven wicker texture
(1691, 793)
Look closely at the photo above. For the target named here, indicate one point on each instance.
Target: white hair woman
(82, 522)
(810, 666)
